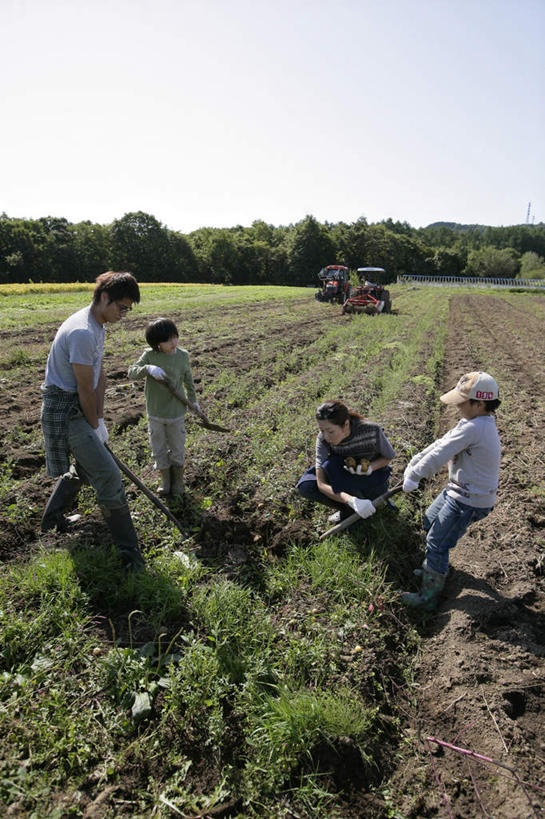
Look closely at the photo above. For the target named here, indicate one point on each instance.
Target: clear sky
(220, 112)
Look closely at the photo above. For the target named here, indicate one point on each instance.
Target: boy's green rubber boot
(164, 489)
(177, 487)
(428, 596)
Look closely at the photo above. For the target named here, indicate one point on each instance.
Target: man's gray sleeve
(82, 348)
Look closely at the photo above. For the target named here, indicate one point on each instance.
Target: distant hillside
(457, 226)
(479, 228)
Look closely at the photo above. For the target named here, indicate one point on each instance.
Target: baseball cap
(478, 385)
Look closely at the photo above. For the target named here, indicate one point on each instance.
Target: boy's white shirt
(472, 450)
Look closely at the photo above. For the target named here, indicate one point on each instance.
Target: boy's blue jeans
(445, 521)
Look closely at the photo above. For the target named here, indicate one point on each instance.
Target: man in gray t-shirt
(72, 414)
(79, 340)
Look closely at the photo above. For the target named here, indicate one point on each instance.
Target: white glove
(359, 470)
(155, 372)
(409, 486)
(101, 432)
(362, 506)
(197, 406)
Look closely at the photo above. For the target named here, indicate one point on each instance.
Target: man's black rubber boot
(62, 499)
(123, 534)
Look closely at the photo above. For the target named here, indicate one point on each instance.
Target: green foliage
(309, 249)
(55, 250)
(491, 262)
(532, 266)
(283, 729)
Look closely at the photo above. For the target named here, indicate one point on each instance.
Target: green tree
(532, 266)
(141, 244)
(23, 242)
(216, 254)
(351, 243)
(492, 263)
(182, 264)
(449, 262)
(92, 250)
(309, 248)
(57, 252)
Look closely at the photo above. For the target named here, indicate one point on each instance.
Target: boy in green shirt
(165, 412)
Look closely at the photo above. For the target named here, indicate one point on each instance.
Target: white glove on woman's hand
(155, 372)
(409, 486)
(358, 470)
(101, 432)
(362, 506)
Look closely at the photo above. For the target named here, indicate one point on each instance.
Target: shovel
(344, 524)
(204, 420)
(153, 498)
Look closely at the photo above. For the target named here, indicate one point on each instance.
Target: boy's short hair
(160, 330)
(118, 285)
(490, 406)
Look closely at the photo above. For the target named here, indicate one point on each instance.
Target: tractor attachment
(368, 297)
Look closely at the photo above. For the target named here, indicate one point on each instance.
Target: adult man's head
(114, 295)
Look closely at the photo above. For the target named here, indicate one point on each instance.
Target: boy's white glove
(358, 470)
(409, 486)
(362, 506)
(101, 432)
(155, 372)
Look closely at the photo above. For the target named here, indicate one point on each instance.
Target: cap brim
(452, 397)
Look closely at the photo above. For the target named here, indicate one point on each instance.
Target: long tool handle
(153, 498)
(198, 412)
(344, 524)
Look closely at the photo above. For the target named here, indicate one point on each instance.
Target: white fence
(468, 281)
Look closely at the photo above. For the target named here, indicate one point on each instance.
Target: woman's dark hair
(490, 406)
(160, 330)
(335, 412)
(120, 285)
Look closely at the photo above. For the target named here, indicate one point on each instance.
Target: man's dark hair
(490, 406)
(118, 285)
(160, 330)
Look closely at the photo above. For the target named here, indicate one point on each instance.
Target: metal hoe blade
(204, 422)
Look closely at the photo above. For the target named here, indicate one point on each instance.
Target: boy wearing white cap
(472, 451)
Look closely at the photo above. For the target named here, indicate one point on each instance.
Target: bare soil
(481, 672)
(480, 676)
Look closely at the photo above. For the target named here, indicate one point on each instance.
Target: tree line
(52, 249)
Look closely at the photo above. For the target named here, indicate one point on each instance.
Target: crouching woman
(352, 462)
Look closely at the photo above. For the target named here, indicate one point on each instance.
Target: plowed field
(472, 675)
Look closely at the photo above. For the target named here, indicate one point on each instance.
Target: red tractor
(369, 297)
(335, 279)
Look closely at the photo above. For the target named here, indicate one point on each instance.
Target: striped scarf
(363, 441)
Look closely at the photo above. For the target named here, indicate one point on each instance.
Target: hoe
(204, 422)
(344, 524)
